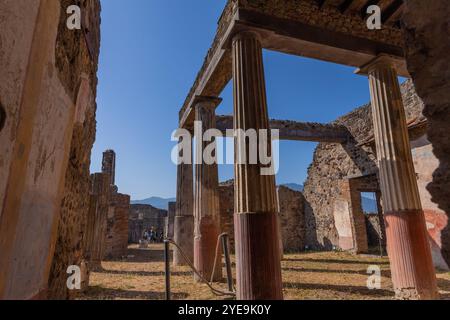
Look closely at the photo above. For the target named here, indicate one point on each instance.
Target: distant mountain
(294, 186)
(157, 202)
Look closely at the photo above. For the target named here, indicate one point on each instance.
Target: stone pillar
(413, 274)
(97, 218)
(206, 205)
(184, 214)
(116, 244)
(109, 165)
(170, 220)
(258, 263)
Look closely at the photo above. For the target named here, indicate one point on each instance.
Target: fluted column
(258, 263)
(206, 205)
(184, 216)
(413, 274)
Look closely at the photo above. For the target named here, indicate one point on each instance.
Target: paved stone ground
(323, 275)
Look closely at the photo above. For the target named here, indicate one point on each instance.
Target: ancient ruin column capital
(246, 35)
(206, 102)
(382, 61)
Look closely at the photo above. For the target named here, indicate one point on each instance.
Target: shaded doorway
(375, 227)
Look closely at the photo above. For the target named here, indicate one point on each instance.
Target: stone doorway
(375, 227)
(358, 215)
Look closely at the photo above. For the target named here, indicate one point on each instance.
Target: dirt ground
(315, 275)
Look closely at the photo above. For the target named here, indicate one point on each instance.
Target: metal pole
(167, 267)
(227, 262)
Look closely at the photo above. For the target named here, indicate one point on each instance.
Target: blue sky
(151, 52)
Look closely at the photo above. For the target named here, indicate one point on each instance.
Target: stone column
(413, 274)
(258, 263)
(206, 205)
(98, 215)
(109, 165)
(184, 216)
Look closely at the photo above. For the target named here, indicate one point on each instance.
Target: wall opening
(375, 228)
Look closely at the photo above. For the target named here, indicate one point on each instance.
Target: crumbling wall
(292, 219)
(291, 215)
(144, 217)
(376, 235)
(75, 58)
(427, 42)
(47, 89)
(333, 164)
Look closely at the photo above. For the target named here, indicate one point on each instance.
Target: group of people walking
(153, 235)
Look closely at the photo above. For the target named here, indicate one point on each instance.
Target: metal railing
(224, 239)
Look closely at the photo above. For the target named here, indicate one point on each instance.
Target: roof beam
(367, 5)
(289, 36)
(391, 11)
(345, 6)
(296, 131)
(321, 3)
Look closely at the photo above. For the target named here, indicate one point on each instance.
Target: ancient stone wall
(292, 219)
(334, 164)
(427, 43)
(73, 56)
(376, 233)
(117, 226)
(291, 206)
(426, 164)
(41, 156)
(144, 217)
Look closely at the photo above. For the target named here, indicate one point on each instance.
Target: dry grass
(324, 275)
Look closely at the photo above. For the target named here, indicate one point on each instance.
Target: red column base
(205, 251)
(258, 265)
(413, 273)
